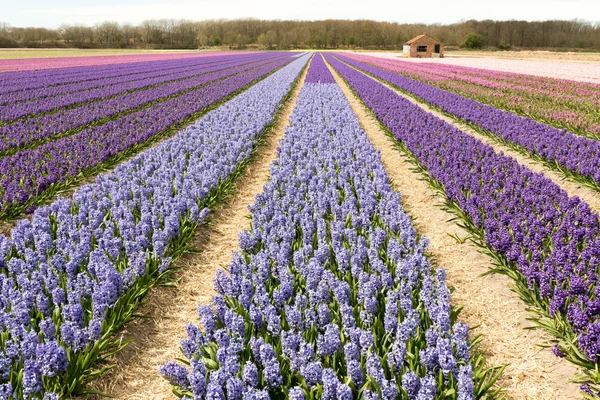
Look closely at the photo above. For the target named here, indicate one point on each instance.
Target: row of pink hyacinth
(504, 80)
(580, 71)
(563, 103)
(575, 71)
(67, 62)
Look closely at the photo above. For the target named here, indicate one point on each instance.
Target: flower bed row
(75, 273)
(331, 296)
(146, 70)
(33, 68)
(546, 241)
(187, 79)
(31, 80)
(558, 102)
(575, 156)
(30, 132)
(29, 176)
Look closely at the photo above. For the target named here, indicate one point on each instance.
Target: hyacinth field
(115, 169)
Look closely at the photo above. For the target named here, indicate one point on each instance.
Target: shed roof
(417, 38)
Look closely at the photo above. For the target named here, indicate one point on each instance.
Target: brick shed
(423, 46)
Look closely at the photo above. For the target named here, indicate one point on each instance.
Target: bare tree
(170, 33)
(109, 33)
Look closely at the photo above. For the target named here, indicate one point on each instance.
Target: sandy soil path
(532, 372)
(156, 338)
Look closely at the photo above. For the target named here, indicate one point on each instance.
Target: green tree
(472, 41)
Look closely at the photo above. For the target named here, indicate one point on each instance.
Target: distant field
(512, 55)
(11, 54)
(530, 55)
(572, 66)
(30, 64)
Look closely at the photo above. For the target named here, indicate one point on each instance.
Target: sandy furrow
(531, 372)
(156, 338)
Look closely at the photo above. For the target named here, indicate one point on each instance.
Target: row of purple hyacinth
(332, 296)
(318, 72)
(148, 70)
(25, 80)
(28, 173)
(576, 153)
(74, 273)
(552, 240)
(18, 110)
(25, 132)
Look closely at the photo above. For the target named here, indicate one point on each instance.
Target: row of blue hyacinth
(331, 296)
(74, 273)
(546, 241)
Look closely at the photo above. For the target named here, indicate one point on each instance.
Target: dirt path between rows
(531, 372)
(156, 338)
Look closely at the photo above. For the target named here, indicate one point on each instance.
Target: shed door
(437, 48)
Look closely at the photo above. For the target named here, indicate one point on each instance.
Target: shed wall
(425, 41)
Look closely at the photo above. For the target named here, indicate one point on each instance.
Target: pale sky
(52, 13)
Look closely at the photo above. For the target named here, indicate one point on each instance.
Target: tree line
(249, 33)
